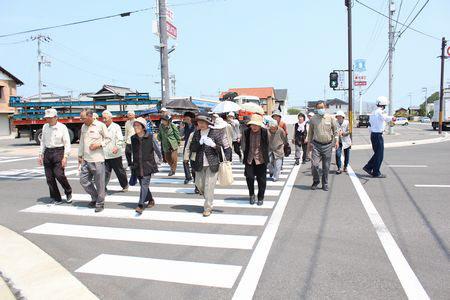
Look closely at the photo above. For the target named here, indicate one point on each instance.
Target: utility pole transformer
(163, 51)
(348, 4)
(391, 7)
(441, 89)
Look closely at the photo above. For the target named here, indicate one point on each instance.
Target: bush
(293, 111)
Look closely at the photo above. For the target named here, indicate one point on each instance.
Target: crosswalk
(231, 210)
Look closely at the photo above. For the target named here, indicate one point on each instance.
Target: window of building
(2, 92)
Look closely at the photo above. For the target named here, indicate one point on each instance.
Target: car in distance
(363, 121)
(401, 121)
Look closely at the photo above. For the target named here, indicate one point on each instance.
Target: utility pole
(425, 91)
(40, 38)
(350, 65)
(173, 82)
(441, 89)
(410, 103)
(391, 7)
(360, 101)
(163, 51)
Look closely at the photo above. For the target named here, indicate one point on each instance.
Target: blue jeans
(339, 155)
(374, 163)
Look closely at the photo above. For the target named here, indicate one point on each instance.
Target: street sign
(172, 30)
(360, 65)
(169, 15)
(360, 83)
(448, 51)
(360, 78)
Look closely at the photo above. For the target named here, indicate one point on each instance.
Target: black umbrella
(184, 104)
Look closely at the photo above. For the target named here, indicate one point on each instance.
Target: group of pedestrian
(209, 141)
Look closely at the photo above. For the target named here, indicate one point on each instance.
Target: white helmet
(382, 101)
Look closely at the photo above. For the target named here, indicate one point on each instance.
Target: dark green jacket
(169, 137)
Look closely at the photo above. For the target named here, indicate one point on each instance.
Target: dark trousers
(128, 154)
(116, 165)
(260, 172)
(321, 153)
(237, 149)
(145, 195)
(339, 156)
(374, 163)
(54, 171)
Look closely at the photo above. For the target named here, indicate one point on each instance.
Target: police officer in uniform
(53, 153)
(378, 121)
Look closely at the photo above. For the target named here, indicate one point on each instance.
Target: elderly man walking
(322, 136)
(169, 136)
(93, 138)
(114, 151)
(53, 154)
(129, 132)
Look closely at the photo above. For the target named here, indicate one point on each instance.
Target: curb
(34, 274)
(444, 138)
(5, 292)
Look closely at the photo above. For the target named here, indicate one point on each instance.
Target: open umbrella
(183, 104)
(225, 107)
(252, 107)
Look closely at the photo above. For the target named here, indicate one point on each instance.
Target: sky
(292, 44)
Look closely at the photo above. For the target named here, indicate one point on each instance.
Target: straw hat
(256, 120)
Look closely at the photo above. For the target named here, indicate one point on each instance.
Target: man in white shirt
(378, 121)
(53, 153)
(236, 134)
(129, 132)
(114, 151)
(93, 138)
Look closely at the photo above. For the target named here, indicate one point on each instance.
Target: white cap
(311, 114)
(231, 114)
(382, 101)
(131, 112)
(50, 113)
(163, 109)
(340, 113)
(107, 113)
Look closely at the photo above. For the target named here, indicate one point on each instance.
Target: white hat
(95, 116)
(131, 112)
(231, 114)
(50, 113)
(382, 101)
(340, 113)
(141, 121)
(219, 123)
(311, 114)
(163, 109)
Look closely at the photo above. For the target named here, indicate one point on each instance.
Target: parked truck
(28, 120)
(446, 110)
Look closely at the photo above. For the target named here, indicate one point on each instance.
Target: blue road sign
(360, 65)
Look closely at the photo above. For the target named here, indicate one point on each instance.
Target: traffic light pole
(441, 89)
(391, 58)
(164, 55)
(350, 66)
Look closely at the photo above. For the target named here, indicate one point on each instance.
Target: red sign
(360, 83)
(171, 30)
(448, 51)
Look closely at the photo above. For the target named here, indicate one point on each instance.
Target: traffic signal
(334, 76)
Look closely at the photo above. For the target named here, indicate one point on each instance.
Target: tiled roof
(16, 80)
(263, 92)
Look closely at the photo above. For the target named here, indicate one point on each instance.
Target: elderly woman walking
(143, 162)
(170, 139)
(204, 148)
(345, 142)
(256, 157)
(300, 139)
(226, 132)
(277, 140)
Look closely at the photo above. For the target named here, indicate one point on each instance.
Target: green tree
(293, 111)
(433, 97)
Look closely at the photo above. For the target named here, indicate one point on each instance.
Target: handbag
(287, 149)
(225, 176)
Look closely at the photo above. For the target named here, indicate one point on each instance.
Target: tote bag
(225, 176)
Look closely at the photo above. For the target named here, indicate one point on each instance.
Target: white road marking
(254, 269)
(235, 166)
(181, 175)
(178, 201)
(171, 180)
(408, 166)
(17, 159)
(433, 185)
(217, 191)
(215, 218)
(411, 285)
(196, 273)
(227, 241)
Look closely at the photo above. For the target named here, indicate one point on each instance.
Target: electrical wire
(410, 14)
(415, 17)
(124, 14)
(401, 23)
(14, 43)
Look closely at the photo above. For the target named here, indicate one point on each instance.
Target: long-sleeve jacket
(277, 140)
(96, 133)
(203, 151)
(116, 136)
(129, 131)
(169, 136)
(345, 139)
(245, 144)
(323, 129)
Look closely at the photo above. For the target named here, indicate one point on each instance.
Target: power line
(407, 18)
(380, 13)
(415, 17)
(124, 14)
(14, 43)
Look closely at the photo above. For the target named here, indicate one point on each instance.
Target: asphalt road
(326, 245)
